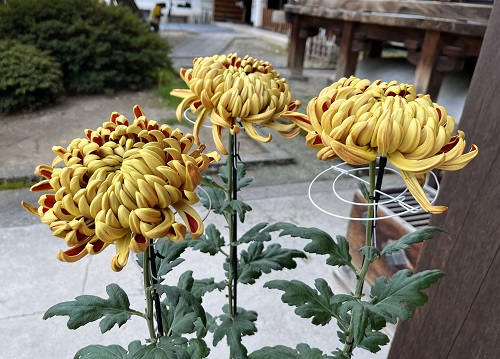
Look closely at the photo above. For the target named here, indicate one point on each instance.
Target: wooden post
(297, 46)
(462, 318)
(346, 64)
(427, 79)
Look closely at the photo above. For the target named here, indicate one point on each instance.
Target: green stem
(149, 298)
(231, 224)
(224, 253)
(349, 345)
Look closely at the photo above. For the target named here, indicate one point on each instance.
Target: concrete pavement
(33, 280)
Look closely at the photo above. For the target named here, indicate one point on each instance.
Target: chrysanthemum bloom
(357, 121)
(234, 91)
(121, 184)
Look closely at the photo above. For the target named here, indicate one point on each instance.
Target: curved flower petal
(418, 193)
(191, 218)
(416, 166)
(354, 154)
(74, 254)
(461, 161)
(252, 132)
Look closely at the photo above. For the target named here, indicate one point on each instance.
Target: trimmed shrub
(29, 77)
(100, 47)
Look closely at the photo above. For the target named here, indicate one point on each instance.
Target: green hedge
(29, 77)
(100, 48)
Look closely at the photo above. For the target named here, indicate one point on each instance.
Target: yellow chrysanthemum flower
(234, 91)
(357, 120)
(121, 184)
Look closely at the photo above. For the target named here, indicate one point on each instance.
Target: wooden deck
(439, 36)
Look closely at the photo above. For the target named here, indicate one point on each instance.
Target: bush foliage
(100, 47)
(29, 77)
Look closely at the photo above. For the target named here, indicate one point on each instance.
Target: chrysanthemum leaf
(364, 316)
(258, 259)
(178, 319)
(322, 243)
(417, 236)
(89, 308)
(338, 354)
(303, 351)
(197, 348)
(201, 329)
(256, 233)
(214, 199)
(241, 208)
(310, 302)
(166, 347)
(102, 352)
(202, 286)
(370, 253)
(109, 352)
(180, 297)
(261, 232)
(373, 341)
(241, 180)
(364, 190)
(168, 255)
(210, 242)
(235, 329)
(404, 290)
(186, 281)
(207, 181)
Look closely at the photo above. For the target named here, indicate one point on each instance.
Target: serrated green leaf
(166, 347)
(234, 329)
(186, 281)
(214, 200)
(210, 242)
(241, 208)
(206, 285)
(373, 341)
(404, 290)
(310, 302)
(261, 232)
(174, 296)
(202, 330)
(256, 233)
(102, 352)
(168, 255)
(197, 348)
(178, 319)
(109, 352)
(338, 354)
(303, 351)
(207, 181)
(322, 243)
(241, 180)
(257, 260)
(370, 253)
(361, 317)
(420, 235)
(364, 191)
(89, 308)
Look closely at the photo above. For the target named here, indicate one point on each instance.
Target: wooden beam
(346, 63)
(297, 45)
(427, 80)
(461, 319)
(450, 10)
